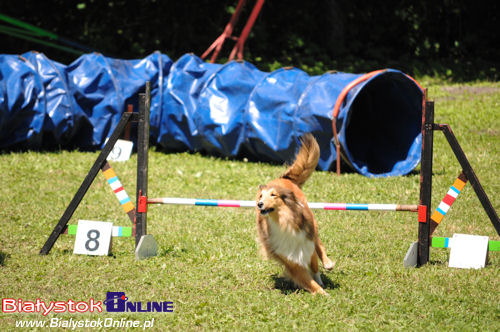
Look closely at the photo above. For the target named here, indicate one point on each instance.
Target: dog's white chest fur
(293, 245)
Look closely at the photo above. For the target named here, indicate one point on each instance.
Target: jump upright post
(424, 207)
(145, 244)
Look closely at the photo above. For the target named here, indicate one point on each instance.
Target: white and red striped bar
(251, 204)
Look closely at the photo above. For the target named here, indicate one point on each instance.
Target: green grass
(208, 263)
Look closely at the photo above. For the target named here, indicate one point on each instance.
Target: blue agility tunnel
(232, 110)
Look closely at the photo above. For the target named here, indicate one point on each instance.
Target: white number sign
(468, 251)
(93, 237)
(121, 151)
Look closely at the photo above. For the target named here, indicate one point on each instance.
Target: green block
(72, 229)
(494, 246)
(126, 231)
(438, 242)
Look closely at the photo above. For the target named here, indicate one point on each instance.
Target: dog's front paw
(322, 292)
(328, 264)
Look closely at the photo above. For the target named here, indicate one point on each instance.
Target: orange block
(459, 184)
(437, 217)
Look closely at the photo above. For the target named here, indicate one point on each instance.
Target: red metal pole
(228, 30)
(240, 44)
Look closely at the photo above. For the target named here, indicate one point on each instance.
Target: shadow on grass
(70, 252)
(437, 262)
(3, 258)
(288, 287)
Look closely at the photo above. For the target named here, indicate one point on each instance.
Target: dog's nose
(260, 205)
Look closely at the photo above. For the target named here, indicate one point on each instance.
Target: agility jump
(138, 214)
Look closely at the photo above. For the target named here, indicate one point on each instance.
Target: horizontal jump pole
(251, 204)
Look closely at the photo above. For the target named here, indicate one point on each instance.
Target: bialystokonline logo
(118, 302)
(115, 302)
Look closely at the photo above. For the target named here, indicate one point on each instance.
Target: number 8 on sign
(93, 237)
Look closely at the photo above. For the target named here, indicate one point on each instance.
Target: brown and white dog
(286, 227)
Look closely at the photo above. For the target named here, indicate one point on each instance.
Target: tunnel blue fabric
(229, 110)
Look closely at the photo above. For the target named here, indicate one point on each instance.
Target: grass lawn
(208, 264)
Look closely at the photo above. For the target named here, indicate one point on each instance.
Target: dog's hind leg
(315, 269)
(302, 277)
(321, 251)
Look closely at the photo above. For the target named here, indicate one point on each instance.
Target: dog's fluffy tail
(305, 161)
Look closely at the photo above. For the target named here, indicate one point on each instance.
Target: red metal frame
(228, 30)
(240, 44)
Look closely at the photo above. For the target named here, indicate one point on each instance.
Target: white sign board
(468, 251)
(121, 151)
(93, 237)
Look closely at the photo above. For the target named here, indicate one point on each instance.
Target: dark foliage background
(453, 39)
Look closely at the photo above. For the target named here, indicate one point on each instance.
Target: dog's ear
(292, 197)
(287, 195)
(262, 186)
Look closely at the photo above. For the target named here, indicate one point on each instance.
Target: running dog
(287, 230)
